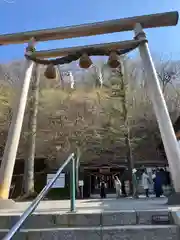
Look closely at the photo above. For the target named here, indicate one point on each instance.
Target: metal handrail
(42, 194)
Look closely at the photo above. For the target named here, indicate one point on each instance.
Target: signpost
(59, 183)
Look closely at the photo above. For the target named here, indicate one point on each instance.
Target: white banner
(60, 182)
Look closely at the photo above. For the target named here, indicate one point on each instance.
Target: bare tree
(166, 73)
(123, 93)
(119, 95)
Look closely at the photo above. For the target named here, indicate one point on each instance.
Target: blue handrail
(42, 194)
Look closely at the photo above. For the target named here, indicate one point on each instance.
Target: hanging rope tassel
(113, 60)
(50, 72)
(85, 61)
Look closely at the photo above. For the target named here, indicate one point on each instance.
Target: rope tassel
(113, 60)
(85, 61)
(50, 72)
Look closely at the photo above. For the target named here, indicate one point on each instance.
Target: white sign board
(81, 183)
(60, 182)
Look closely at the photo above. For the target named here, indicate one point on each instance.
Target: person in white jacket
(117, 184)
(145, 182)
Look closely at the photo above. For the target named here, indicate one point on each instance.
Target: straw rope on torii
(83, 53)
(77, 55)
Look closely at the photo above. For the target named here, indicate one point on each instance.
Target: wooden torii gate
(153, 86)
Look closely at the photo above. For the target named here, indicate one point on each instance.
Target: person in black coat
(102, 189)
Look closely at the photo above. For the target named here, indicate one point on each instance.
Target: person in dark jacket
(158, 183)
(167, 186)
(102, 189)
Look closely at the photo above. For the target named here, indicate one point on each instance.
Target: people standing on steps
(102, 189)
(154, 179)
(145, 182)
(167, 185)
(117, 184)
(158, 183)
(135, 183)
(123, 188)
(123, 184)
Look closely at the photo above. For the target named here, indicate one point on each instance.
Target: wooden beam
(118, 25)
(105, 46)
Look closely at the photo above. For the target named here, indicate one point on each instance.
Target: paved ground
(93, 205)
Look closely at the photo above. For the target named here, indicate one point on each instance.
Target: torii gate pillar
(155, 93)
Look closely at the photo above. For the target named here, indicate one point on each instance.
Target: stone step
(107, 218)
(147, 232)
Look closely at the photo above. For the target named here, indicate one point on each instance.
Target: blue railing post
(72, 185)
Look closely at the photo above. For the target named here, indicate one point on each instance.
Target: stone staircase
(106, 225)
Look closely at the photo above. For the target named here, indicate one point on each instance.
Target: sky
(23, 15)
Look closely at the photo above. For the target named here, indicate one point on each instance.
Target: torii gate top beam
(118, 25)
